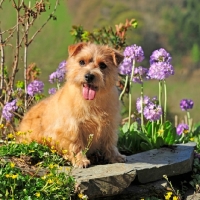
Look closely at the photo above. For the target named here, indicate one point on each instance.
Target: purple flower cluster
(160, 65)
(134, 52)
(8, 110)
(140, 73)
(160, 55)
(186, 104)
(182, 128)
(59, 74)
(151, 111)
(131, 53)
(146, 100)
(52, 90)
(35, 87)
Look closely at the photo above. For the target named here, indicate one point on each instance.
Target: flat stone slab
(193, 196)
(111, 179)
(104, 180)
(152, 165)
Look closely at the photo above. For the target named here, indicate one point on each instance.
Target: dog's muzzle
(89, 90)
(89, 77)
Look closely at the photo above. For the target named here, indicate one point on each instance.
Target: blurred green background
(173, 25)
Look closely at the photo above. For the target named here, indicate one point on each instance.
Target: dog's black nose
(89, 78)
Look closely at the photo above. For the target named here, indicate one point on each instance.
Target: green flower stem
(142, 100)
(13, 190)
(58, 85)
(160, 97)
(130, 95)
(124, 89)
(181, 138)
(189, 121)
(165, 102)
(152, 129)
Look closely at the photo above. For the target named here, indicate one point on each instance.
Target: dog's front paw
(118, 159)
(81, 163)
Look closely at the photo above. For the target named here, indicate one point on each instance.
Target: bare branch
(26, 30)
(14, 3)
(2, 62)
(1, 2)
(50, 16)
(10, 35)
(25, 60)
(10, 29)
(16, 56)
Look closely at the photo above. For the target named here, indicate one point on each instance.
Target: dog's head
(93, 68)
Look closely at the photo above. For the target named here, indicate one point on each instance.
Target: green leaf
(134, 126)
(143, 137)
(125, 128)
(170, 136)
(20, 84)
(145, 146)
(134, 24)
(159, 142)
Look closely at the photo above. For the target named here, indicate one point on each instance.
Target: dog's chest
(94, 123)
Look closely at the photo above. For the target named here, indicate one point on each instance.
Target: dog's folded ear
(75, 48)
(117, 57)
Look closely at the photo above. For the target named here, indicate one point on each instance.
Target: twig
(25, 60)
(50, 16)
(10, 35)
(16, 56)
(14, 27)
(1, 2)
(2, 63)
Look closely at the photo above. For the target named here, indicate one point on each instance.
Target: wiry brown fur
(68, 119)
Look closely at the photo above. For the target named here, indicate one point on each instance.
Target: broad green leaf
(145, 146)
(134, 126)
(125, 128)
(159, 142)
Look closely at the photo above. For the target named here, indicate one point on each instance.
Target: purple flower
(186, 104)
(134, 52)
(152, 111)
(146, 101)
(35, 87)
(125, 67)
(139, 74)
(160, 70)
(182, 128)
(52, 90)
(8, 110)
(59, 74)
(160, 67)
(160, 55)
(155, 100)
(131, 53)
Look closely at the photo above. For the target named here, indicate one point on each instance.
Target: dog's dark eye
(102, 65)
(82, 62)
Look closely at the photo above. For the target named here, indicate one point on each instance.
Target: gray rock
(135, 192)
(153, 164)
(191, 195)
(108, 180)
(104, 180)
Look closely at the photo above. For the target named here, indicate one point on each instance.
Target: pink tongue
(88, 92)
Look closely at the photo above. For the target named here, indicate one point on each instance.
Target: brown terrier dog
(86, 105)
